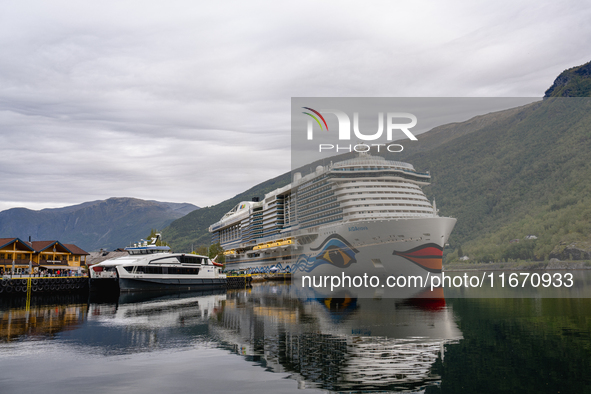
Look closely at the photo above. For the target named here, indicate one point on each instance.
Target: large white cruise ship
(362, 215)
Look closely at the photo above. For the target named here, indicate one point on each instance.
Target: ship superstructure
(360, 202)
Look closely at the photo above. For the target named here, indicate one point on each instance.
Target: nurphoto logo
(344, 130)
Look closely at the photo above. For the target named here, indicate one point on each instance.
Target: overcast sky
(189, 101)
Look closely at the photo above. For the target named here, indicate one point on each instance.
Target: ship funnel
(155, 239)
(297, 176)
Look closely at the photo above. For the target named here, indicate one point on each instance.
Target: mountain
(574, 82)
(107, 224)
(504, 175)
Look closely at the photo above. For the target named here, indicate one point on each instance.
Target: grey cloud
(190, 101)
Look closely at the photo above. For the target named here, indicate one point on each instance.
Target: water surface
(276, 338)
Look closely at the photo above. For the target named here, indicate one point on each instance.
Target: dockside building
(20, 254)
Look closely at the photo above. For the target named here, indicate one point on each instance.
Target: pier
(238, 281)
(48, 285)
(77, 284)
(246, 280)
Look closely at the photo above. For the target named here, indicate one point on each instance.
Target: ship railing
(417, 173)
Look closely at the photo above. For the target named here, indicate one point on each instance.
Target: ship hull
(104, 284)
(133, 284)
(374, 247)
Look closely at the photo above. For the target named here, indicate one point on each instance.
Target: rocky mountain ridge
(107, 224)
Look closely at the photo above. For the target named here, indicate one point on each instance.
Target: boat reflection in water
(342, 343)
(146, 321)
(339, 343)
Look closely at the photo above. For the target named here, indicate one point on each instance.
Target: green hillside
(574, 82)
(528, 174)
(191, 230)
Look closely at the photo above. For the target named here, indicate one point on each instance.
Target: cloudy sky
(189, 101)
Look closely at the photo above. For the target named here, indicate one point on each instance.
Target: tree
(211, 252)
(153, 233)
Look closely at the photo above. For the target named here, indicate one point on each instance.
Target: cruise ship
(365, 215)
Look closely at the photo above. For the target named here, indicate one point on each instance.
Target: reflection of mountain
(535, 345)
(42, 318)
(341, 343)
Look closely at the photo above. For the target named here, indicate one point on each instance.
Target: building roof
(75, 249)
(40, 246)
(7, 241)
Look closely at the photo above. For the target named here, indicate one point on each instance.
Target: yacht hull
(145, 284)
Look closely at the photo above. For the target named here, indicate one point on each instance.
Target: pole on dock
(28, 307)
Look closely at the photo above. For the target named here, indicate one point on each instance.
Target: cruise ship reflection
(339, 343)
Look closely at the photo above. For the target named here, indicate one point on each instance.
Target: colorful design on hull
(429, 256)
(334, 250)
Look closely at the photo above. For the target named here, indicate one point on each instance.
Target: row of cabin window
(163, 270)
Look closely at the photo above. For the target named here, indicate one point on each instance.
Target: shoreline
(554, 264)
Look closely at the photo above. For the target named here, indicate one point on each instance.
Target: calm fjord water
(275, 338)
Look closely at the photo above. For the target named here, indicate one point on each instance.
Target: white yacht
(153, 267)
(362, 215)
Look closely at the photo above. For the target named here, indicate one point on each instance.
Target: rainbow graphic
(429, 256)
(315, 118)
